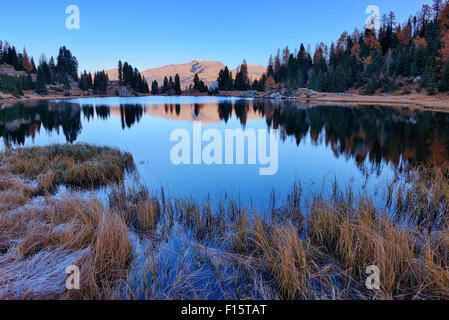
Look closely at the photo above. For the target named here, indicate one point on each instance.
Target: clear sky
(153, 33)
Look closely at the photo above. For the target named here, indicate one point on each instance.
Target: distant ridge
(207, 71)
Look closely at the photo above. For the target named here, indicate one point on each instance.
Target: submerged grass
(139, 246)
(80, 166)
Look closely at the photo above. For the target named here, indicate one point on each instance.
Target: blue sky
(152, 33)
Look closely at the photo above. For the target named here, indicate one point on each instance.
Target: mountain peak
(207, 71)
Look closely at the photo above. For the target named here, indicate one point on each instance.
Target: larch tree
(26, 63)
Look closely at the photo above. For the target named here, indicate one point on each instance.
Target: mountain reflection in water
(396, 136)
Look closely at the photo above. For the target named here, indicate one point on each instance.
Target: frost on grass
(42, 234)
(141, 246)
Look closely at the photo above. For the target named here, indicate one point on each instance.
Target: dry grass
(320, 248)
(140, 246)
(81, 166)
(324, 252)
(59, 233)
(42, 236)
(136, 206)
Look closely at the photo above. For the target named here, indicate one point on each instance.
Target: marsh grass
(136, 206)
(41, 236)
(320, 247)
(80, 166)
(142, 246)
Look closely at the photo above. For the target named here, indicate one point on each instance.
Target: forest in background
(370, 61)
(366, 60)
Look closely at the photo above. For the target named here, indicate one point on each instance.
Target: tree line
(99, 82)
(48, 72)
(241, 82)
(369, 60)
(131, 77)
(382, 59)
(62, 70)
(174, 87)
(168, 86)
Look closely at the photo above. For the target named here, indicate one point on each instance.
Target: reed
(143, 246)
(81, 166)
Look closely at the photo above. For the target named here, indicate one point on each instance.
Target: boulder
(417, 80)
(248, 94)
(124, 92)
(277, 95)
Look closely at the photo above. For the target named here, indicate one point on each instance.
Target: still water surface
(356, 145)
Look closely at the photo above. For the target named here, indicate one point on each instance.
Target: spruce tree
(171, 84)
(165, 86)
(154, 88)
(120, 72)
(196, 82)
(177, 85)
(41, 82)
(444, 82)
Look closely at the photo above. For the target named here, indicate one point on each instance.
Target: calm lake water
(356, 145)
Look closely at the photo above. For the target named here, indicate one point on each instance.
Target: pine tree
(241, 79)
(171, 84)
(196, 82)
(67, 86)
(12, 58)
(224, 80)
(101, 82)
(40, 82)
(444, 82)
(67, 63)
(177, 85)
(132, 78)
(371, 87)
(165, 86)
(154, 88)
(199, 85)
(120, 72)
(145, 87)
(85, 82)
(52, 71)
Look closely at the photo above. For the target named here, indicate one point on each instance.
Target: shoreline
(276, 254)
(422, 102)
(427, 103)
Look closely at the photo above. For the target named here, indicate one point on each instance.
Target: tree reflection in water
(397, 136)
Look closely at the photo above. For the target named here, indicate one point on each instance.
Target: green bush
(12, 85)
(370, 88)
(388, 86)
(56, 89)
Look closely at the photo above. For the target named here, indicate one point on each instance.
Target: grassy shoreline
(137, 245)
(414, 101)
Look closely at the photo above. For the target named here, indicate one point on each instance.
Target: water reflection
(130, 114)
(380, 134)
(19, 122)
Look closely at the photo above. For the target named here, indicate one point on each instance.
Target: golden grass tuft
(313, 248)
(79, 165)
(40, 238)
(136, 206)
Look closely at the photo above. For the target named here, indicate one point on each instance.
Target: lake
(360, 147)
